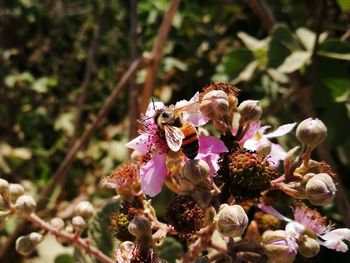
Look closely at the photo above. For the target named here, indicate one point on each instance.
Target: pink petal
(272, 211)
(250, 133)
(195, 116)
(158, 105)
(276, 155)
(337, 234)
(295, 229)
(281, 130)
(153, 174)
(337, 245)
(210, 144)
(140, 143)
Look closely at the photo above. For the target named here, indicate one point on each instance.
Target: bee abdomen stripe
(191, 149)
(190, 138)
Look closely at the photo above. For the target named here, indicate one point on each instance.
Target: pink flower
(255, 136)
(151, 142)
(305, 218)
(194, 115)
(209, 150)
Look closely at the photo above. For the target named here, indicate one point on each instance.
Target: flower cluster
(221, 164)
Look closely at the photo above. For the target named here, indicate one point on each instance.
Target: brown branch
(71, 155)
(157, 53)
(133, 105)
(261, 10)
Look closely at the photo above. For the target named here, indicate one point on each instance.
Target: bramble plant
(225, 179)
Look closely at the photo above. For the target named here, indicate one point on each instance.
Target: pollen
(123, 176)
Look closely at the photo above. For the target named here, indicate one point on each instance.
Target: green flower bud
(139, 226)
(214, 104)
(308, 247)
(311, 132)
(15, 190)
(25, 204)
(279, 246)
(320, 189)
(231, 220)
(250, 110)
(4, 186)
(78, 223)
(196, 171)
(57, 222)
(84, 209)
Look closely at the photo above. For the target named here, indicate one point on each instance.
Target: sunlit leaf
(247, 73)
(344, 5)
(308, 38)
(65, 122)
(295, 61)
(252, 43)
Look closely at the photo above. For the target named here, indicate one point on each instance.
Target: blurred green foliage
(44, 54)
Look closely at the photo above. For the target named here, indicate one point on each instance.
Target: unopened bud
(214, 104)
(231, 220)
(25, 204)
(57, 222)
(84, 209)
(279, 246)
(24, 245)
(78, 223)
(311, 132)
(35, 237)
(250, 110)
(263, 149)
(4, 186)
(320, 189)
(139, 226)
(308, 247)
(196, 171)
(15, 190)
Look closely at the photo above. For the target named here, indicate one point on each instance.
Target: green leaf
(344, 5)
(233, 64)
(170, 249)
(247, 73)
(252, 43)
(282, 44)
(294, 61)
(307, 37)
(64, 258)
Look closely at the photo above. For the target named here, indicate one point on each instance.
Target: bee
(178, 134)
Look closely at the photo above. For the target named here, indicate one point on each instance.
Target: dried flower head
(184, 214)
(246, 175)
(230, 90)
(119, 222)
(122, 177)
(266, 222)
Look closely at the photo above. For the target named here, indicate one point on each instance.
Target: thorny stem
(73, 239)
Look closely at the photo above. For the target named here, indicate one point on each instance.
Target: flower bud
(320, 189)
(308, 247)
(24, 245)
(35, 237)
(78, 222)
(231, 220)
(15, 190)
(311, 132)
(57, 222)
(279, 246)
(263, 149)
(139, 226)
(4, 186)
(84, 209)
(250, 110)
(25, 204)
(196, 171)
(214, 104)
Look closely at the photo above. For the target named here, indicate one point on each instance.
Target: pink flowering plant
(219, 164)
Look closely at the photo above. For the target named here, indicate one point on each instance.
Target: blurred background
(67, 108)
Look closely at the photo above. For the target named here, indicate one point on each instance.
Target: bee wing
(174, 137)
